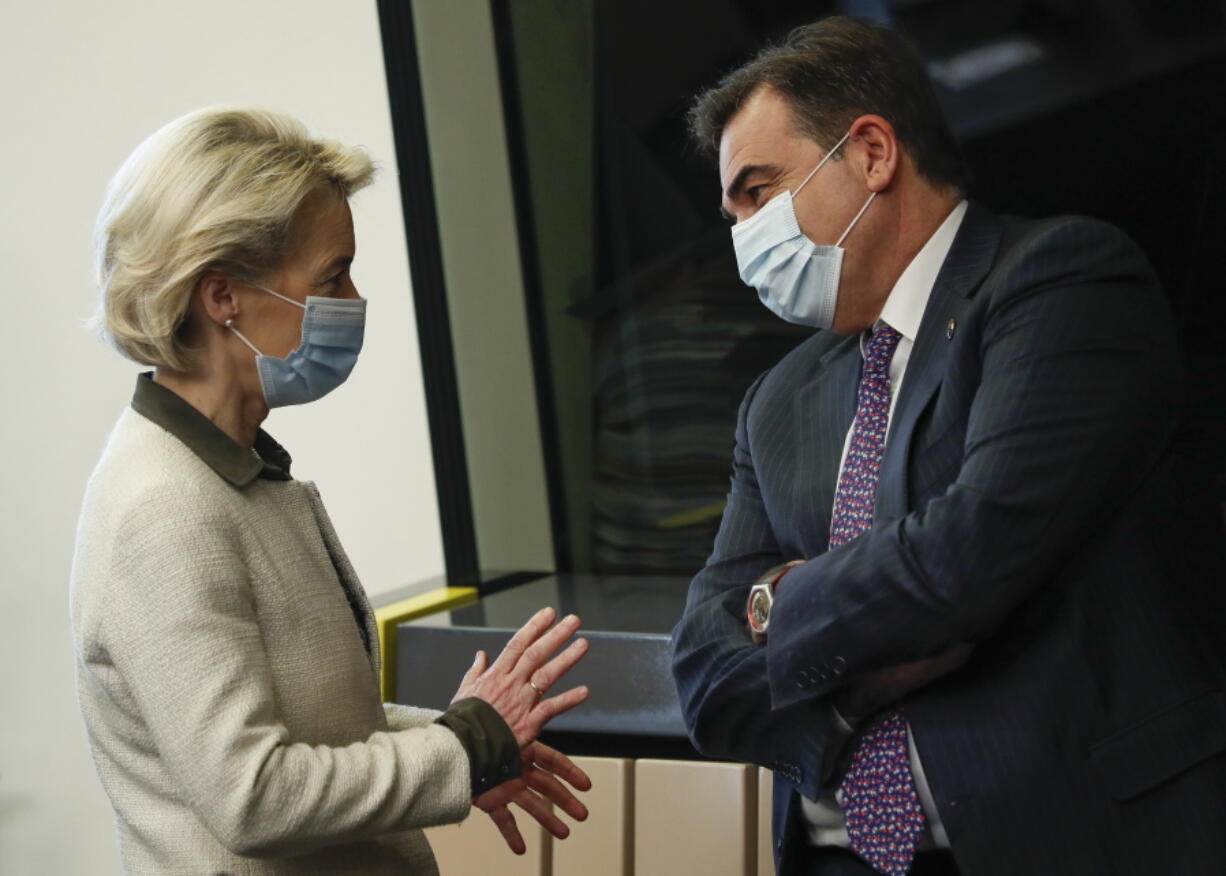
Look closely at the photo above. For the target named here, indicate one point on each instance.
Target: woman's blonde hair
(214, 190)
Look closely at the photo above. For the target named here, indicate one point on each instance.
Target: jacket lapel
(825, 408)
(968, 262)
(347, 577)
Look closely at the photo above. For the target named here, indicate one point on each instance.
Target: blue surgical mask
(796, 279)
(332, 333)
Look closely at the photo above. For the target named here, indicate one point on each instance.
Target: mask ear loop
(839, 242)
(825, 158)
(282, 297)
(241, 336)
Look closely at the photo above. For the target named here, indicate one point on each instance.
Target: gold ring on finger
(539, 692)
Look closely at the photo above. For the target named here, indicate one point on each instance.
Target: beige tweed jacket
(232, 708)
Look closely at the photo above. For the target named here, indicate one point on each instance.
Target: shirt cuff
(493, 754)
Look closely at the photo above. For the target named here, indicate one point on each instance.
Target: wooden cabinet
(695, 817)
(604, 844)
(647, 818)
(766, 842)
(474, 847)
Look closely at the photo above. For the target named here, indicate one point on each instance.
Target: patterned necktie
(884, 818)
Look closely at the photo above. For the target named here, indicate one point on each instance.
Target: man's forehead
(762, 131)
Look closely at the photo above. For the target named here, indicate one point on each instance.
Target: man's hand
(534, 792)
(872, 691)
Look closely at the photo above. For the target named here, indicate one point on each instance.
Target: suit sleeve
(187, 642)
(401, 717)
(1080, 393)
(721, 676)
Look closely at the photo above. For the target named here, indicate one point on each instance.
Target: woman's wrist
(493, 753)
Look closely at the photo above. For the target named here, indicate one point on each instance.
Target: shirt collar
(904, 308)
(219, 451)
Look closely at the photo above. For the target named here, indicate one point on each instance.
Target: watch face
(759, 609)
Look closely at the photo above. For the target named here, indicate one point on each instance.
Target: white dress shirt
(903, 311)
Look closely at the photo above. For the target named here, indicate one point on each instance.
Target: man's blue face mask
(796, 279)
(332, 334)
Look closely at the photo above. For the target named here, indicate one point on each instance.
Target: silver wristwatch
(762, 597)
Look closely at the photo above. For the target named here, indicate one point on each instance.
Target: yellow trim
(696, 515)
(388, 617)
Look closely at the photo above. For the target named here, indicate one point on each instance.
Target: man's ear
(215, 292)
(878, 152)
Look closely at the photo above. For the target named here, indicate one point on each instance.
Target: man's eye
(754, 192)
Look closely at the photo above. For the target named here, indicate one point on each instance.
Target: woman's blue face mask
(332, 334)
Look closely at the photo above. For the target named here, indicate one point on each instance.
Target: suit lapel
(969, 260)
(825, 408)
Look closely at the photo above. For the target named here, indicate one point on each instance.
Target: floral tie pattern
(884, 818)
(857, 490)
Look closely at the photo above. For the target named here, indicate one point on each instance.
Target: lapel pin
(950, 328)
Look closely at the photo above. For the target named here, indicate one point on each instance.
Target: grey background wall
(482, 271)
(80, 85)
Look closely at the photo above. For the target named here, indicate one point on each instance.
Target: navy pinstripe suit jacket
(1034, 500)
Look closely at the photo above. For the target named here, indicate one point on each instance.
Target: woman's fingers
(468, 682)
(541, 650)
(555, 762)
(547, 676)
(479, 664)
(534, 805)
(505, 821)
(555, 792)
(548, 709)
(524, 636)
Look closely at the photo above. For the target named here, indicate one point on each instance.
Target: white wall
(80, 84)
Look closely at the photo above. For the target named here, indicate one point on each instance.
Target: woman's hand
(516, 684)
(534, 792)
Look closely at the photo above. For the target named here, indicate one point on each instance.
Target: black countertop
(633, 709)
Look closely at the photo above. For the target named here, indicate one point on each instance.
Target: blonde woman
(227, 661)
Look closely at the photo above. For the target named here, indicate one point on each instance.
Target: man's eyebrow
(738, 182)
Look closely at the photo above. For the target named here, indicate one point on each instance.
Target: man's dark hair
(830, 72)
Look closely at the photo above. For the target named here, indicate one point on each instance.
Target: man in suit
(962, 600)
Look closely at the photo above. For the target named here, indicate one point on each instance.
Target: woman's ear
(215, 292)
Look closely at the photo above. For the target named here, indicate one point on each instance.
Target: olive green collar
(219, 451)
